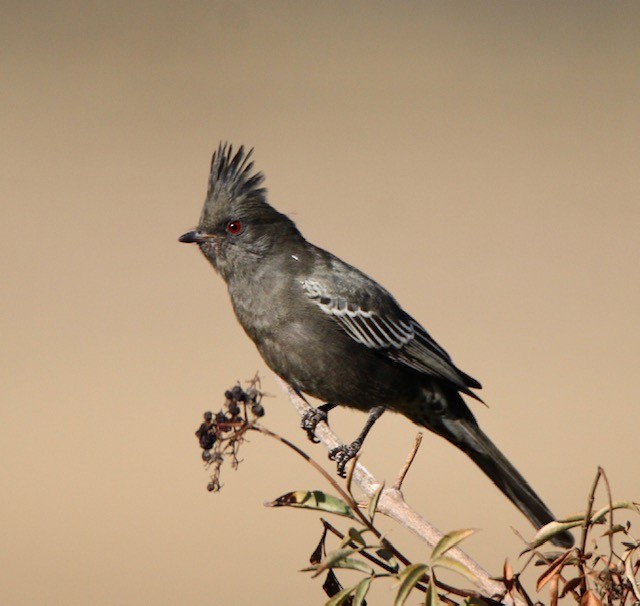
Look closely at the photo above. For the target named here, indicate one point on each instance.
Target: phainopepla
(334, 333)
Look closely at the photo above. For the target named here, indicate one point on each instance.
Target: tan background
(479, 159)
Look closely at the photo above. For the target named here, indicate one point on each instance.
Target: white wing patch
(398, 335)
(366, 327)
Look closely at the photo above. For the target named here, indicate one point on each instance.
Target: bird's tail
(466, 435)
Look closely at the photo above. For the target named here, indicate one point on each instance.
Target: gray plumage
(334, 333)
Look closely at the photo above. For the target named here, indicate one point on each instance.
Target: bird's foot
(310, 420)
(343, 454)
(313, 416)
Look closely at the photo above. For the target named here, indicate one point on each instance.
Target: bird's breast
(309, 349)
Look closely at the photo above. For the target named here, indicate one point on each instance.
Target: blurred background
(480, 160)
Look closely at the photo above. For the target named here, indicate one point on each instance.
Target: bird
(333, 333)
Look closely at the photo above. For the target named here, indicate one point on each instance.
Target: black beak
(191, 237)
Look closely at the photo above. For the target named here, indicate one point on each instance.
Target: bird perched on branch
(332, 332)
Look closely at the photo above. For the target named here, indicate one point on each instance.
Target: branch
(393, 505)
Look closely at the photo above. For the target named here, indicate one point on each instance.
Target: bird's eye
(234, 227)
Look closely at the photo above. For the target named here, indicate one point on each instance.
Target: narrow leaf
(353, 564)
(339, 559)
(450, 540)
(614, 529)
(553, 589)
(554, 568)
(362, 588)
(507, 575)
(596, 517)
(548, 531)
(507, 570)
(408, 578)
(313, 499)
(601, 513)
(341, 597)
(388, 557)
(356, 536)
(576, 517)
(570, 585)
(459, 567)
(432, 598)
(331, 560)
(373, 503)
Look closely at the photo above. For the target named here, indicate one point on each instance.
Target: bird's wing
(391, 331)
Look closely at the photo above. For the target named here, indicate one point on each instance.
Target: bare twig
(397, 485)
(393, 505)
(585, 530)
(610, 503)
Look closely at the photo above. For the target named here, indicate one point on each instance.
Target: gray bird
(332, 332)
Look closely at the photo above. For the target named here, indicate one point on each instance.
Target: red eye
(234, 227)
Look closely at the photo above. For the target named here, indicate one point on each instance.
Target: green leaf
(353, 564)
(341, 596)
(388, 557)
(356, 536)
(550, 530)
(432, 598)
(450, 540)
(408, 579)
(362, 588)
(373, 503)
(614, 530)
(358, 591)
(339, 559)
(459, 567)
(331, 561)
(576, 517)
(598, 515)
(313, 499)
(601, 513)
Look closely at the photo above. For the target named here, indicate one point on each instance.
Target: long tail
(468, 437)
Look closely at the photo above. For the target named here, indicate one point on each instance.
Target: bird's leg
(344, 453)
(312, 417)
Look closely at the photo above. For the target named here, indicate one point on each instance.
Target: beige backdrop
(479, 159)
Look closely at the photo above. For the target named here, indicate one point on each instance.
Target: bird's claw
(343, 454)
(310, 420)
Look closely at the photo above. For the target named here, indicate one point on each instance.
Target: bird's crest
(232, 181)
(231, 175)
(235, 191)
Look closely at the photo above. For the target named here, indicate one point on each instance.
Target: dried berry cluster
(252, 397)
(222, 433)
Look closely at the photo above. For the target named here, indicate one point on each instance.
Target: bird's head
(238, 228)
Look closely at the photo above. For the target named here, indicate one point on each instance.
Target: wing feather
(395, 334)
